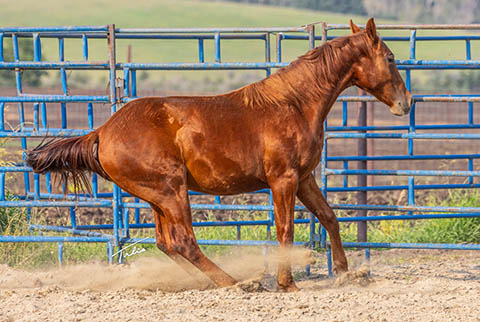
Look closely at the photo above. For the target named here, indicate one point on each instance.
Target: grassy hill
(182, 13)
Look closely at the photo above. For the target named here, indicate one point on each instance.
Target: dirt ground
(403, 286)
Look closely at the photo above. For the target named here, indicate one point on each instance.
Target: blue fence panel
(39, 194)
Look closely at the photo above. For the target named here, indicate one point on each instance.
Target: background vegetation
(185, 13)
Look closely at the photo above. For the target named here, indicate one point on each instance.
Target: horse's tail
(71, 159)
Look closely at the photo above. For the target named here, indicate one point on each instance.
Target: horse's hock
(366, 151)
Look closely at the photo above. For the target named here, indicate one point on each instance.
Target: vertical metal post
(85, 47)
(2, 116)
(137, 212)
(201, 51)
(279, 39)
(63, 76)
(239, 232)
(37, 47)
(323, 166)
(110, 252)
(73, 217)
(311, 42)
(413, 39)
(271, 216)
(21, 114)
(217, 47)
(113, 101)
(267, 52)
(2, 186)
(411, 192)
(1, 46)
(362, 165)
(60, 253)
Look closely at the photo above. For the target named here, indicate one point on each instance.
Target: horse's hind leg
(310, 195)
(175, 234)
(164, 244)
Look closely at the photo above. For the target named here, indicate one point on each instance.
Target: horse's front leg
(310, 195)
(284, 190)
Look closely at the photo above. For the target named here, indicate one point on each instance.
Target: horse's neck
(318, 107)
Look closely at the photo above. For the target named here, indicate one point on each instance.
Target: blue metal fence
(126, 214)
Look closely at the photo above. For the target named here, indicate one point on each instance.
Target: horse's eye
(391, 59)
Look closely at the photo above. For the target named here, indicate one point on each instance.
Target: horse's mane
(311, 75)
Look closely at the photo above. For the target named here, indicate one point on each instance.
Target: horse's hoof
(339, 270)
(288, 288)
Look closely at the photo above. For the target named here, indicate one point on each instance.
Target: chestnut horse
(268, 134)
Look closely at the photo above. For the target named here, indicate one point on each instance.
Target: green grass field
(181, 13)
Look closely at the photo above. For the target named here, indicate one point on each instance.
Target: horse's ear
(371, 30)
(354, 28)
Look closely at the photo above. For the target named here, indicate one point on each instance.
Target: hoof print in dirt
(251, 286)
(359, 277)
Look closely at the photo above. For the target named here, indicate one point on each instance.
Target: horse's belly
(223, 177)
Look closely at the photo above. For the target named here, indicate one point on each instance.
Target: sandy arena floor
(404, 286)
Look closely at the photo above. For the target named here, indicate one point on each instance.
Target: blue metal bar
(126, 82)
(1, 47)
(392, 38)
(468, 50)
(470, 113)
(54, 29)
(54, 98)
(344, 113)
(37, 47)
(43, 133)
(52, 239)
(300, 221)
(43, 115)
(470, 168)
(90, 115)
(2, 116)
(63, 76)
(74, 231)
(404, 157)
(217, 47)
(60, 253)
(345, 177)
(36, 186)
(279, 39)
(73, 218)
(54, 65)
(442, 173)
(413, 246)
(36, 112)
(438, 136)
(66, 204)
(2, 186)
(267, 52)
(85, 46)
(201, 51)
(404, 187)
(402, 127)
(133, 73)
(208, 30)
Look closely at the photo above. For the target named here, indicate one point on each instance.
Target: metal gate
(37, 190)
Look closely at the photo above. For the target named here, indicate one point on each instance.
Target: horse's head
(377, 73)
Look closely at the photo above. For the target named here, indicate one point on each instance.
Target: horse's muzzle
(402, 106)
